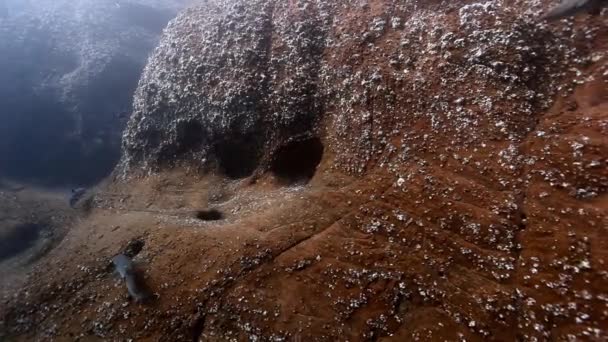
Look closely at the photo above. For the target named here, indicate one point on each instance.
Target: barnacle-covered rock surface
(312, 170)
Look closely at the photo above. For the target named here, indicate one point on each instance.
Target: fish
(569, 8)
(127, 271)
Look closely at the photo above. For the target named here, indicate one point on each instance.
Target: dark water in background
(42, 140)
(19, 239)
(47, 137)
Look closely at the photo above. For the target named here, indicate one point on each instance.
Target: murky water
(18, 239)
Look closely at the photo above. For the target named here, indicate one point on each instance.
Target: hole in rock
(297, 161)
(19, 238)
(209, 215)
(134, 247)
(190, 135)
(237, 158)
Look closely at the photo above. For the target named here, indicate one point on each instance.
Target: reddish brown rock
(460, 193)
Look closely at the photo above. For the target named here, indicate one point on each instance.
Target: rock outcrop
(69, 70)
(377, 170)
(244, 78)
(230, 79)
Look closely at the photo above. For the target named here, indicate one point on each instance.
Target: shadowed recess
(209, 215)
(237, 158)
(134, 247)
(297, 161)
(190, 136)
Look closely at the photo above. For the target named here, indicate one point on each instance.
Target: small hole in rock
(297, 161)
(19, 238)
(134, 247)
(209, 215)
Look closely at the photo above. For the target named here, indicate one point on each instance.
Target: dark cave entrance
(190, 136)
(237, 158)
(209, 215)
(297, 161)
(19, 239)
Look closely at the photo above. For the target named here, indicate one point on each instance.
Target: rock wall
(229, 78)
(69, 70)
(247, 77)
(479, 112)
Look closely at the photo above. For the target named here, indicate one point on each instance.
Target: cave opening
(190, 136)
(19, 239)
(237, 158)
(209, 215)
(297, 161)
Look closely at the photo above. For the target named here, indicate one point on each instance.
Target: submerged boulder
(229, 79)
(232, 83)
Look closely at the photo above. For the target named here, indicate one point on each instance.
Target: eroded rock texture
(457, 188)
(69, 70)
(230, 78)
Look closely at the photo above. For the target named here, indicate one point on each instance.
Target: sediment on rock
(384, 171)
